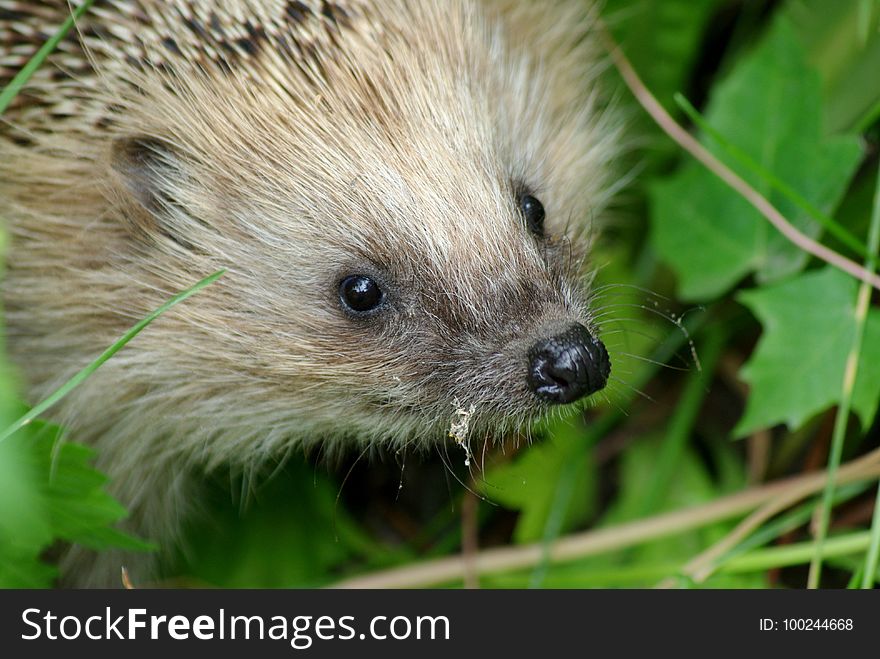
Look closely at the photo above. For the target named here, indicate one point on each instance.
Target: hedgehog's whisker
(632, 388)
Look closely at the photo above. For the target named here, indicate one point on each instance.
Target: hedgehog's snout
(568, 366)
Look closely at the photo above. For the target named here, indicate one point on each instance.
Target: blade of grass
(840, 422)
(866, 11)
(838, 231)
(577, 576)
(77, 379)
(21, 78)
(873, 555)
(855, 580)
(789, 522)
(869, 119)
(871, 558)
(797, 554)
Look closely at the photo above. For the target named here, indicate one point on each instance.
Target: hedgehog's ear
(151, 172)
(145, 165)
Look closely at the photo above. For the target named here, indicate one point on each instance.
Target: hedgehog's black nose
(568, 366)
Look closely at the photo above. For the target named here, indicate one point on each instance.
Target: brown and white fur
(291, 143)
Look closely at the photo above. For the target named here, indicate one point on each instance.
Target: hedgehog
(402, 194)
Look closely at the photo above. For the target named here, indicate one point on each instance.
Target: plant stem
(849, 379)
(687, 142)
(873, 554)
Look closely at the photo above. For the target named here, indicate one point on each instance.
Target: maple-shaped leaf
(770, 108)
(797, 369)
(50, 491)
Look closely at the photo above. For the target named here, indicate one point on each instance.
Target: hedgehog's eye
(360, 295)
(533, 212)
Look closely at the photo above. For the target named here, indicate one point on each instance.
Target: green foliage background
(729, 347)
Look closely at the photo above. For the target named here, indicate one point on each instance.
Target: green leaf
(22, 568)
(24, 522)
(528, 484)
(78, 506)
(49, 491)
(707, 233)
(797, 369)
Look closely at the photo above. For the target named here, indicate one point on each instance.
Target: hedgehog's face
(403, 246)
(469, 303)
(394, 304)
(507, 339)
